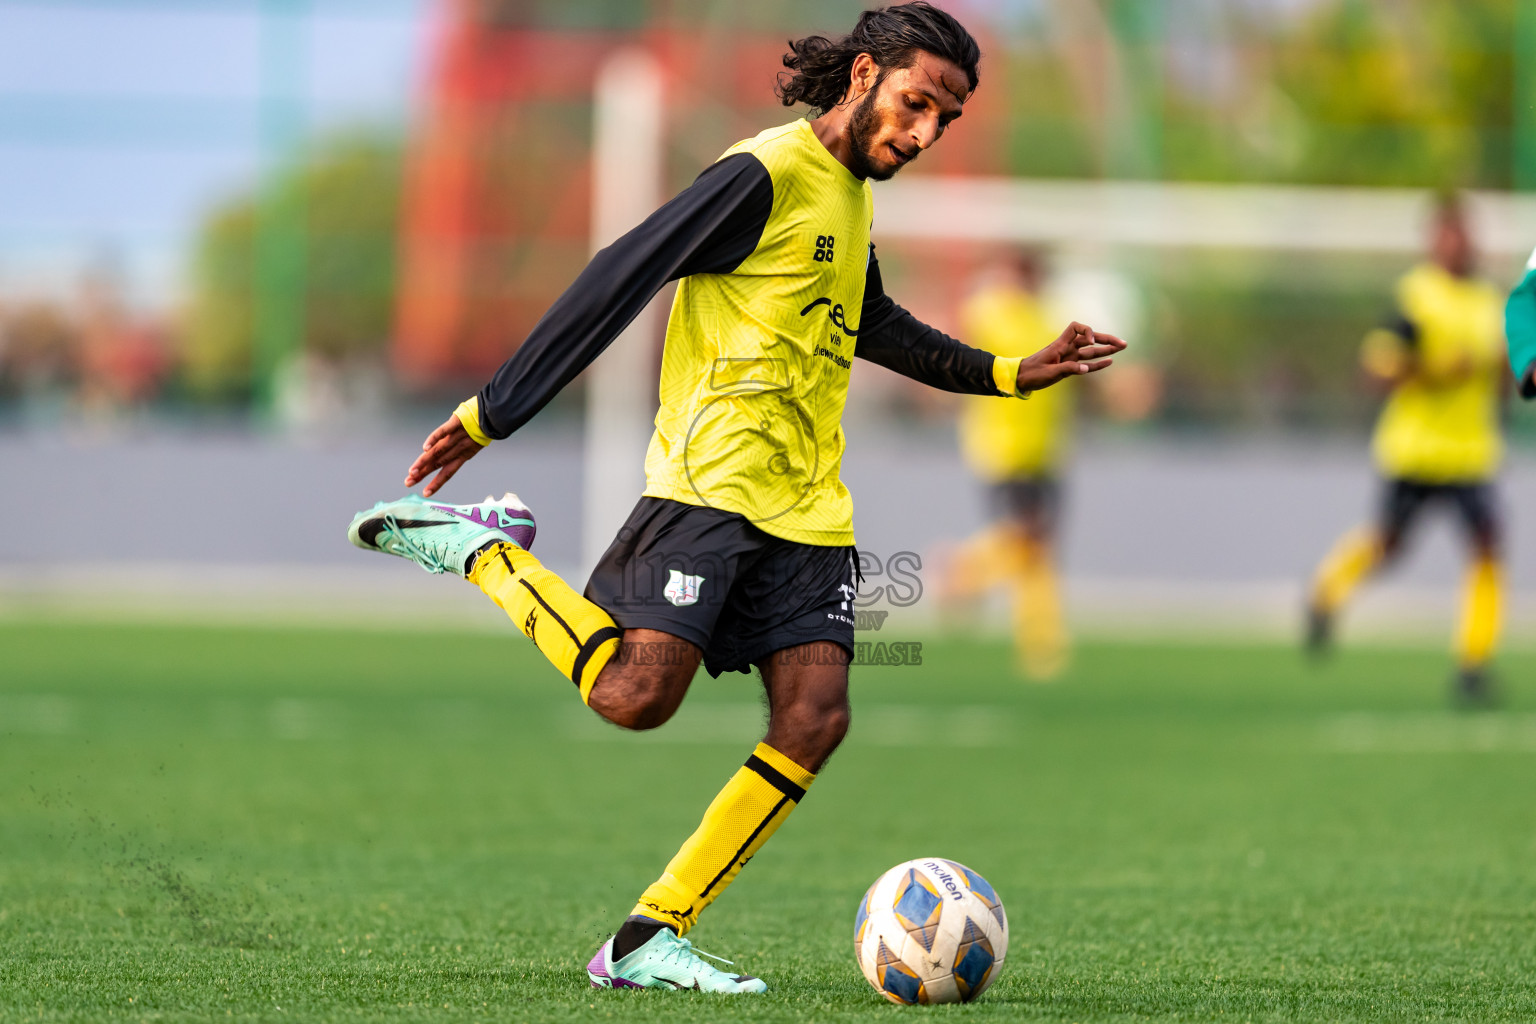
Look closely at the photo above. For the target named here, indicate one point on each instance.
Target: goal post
(620, 386)
(1171, 215)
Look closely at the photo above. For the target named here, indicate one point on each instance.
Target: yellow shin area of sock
(575, 635)
(985, 560)
(1351, 560)
(738, 822)
(1482, 612)
(1039, 630)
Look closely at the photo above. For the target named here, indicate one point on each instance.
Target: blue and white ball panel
(981, 888)
(861, 918)
(930, 931)
(983, 891)
(984, 943)
(975, 962)
(918, 907)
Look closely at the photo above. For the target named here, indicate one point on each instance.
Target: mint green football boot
(440, 537)
(666, 961)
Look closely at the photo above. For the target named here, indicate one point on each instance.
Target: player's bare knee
(652, 710)
(812, 729)
(639, 712)
(833, 728)
(639, 697)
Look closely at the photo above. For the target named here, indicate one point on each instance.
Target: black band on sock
(589, 648)
(775, 778)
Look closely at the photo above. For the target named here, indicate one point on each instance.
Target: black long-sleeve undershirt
(895, 339)
(708, 228)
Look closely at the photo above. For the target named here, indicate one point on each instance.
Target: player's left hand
(1077, 351)
(444, 451)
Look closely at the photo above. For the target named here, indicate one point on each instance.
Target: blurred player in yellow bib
(1437, 440)
(1016, 448)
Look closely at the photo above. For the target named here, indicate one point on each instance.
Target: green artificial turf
(216, 824)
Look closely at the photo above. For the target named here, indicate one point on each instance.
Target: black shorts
(1477, 505)
(714, 579)
(1032, 501)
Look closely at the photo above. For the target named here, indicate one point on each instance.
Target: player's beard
(863, 125)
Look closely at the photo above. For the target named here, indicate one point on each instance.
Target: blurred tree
(1403, 94)
(1368, 92)
(349, 189)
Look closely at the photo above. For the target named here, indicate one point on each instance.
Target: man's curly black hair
(819, 67)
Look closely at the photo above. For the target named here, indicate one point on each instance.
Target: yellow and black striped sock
(738, 822)
(575, 635)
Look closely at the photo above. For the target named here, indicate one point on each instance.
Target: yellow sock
(1038, 629)
(1350, 561)
(1482, 604)
(738, 822)
(984, 561)
(575, 635)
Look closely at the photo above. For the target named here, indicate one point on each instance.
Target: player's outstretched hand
(444, 451)
(1079, 350)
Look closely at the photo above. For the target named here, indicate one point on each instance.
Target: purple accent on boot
(521, 530)
(522, 534)
(597, 969)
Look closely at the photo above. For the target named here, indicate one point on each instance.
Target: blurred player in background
(1016, 449)
(739, 555)
(1437, 441)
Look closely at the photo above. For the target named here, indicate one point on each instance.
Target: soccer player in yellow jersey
(1437, 440)
(1016, 447)
(739, 554)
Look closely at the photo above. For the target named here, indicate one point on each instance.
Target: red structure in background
(497, 200)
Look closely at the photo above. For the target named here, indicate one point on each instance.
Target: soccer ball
(930, 931)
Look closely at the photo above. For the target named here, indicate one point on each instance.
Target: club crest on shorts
(682, 589)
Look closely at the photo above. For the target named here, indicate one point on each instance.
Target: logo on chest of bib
(834, 314)
(824, 249)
